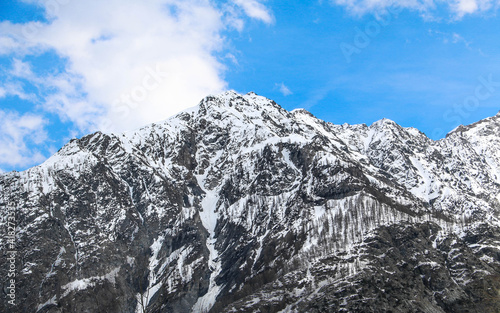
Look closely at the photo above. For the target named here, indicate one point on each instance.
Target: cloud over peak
(135, 62)
(125, 63)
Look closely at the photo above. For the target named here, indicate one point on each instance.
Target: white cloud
(255, 9)
(459, 8)
(21, 69)
(16, 133)
(129, 63)
(15, 89)
(463, 7)
(126, 63)
(454, 38)
(457, 38)
(283, 89)
(232, 17)
(231, 57)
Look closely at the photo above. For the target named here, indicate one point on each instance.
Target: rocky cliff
(238, 205)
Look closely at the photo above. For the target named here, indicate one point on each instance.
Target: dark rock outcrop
(238, 205)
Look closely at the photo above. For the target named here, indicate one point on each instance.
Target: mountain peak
(383, 121)
(489, 124)
(225, 206)
(238, 105)
(299, 111)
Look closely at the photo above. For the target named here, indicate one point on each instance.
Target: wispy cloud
(256, 10)
(455, 38)
(16, 133)
(285, 91)
(15, 89)
(458, 8)
(231, 57)
(317, 95)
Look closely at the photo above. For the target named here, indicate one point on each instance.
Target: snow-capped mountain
(238, 205)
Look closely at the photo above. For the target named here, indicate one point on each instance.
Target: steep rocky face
(238, 205)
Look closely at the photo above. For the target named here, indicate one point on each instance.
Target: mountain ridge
(237, 205)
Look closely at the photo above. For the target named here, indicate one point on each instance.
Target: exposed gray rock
(238, 205)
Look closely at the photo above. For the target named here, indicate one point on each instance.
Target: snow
(454, 129)
(203, 304)
(208, 213)
(431, 264)
(259, 249)
(127, 145)
(413, 131)
(423, 190)
(56, 263)
(315, 124)
(51, 301)
(286, 158)
(454, 176)
(208, 216)
(368, 139)
(130, 260)
(75, 246)
(154, 285)
(319, 211)
(81, 284)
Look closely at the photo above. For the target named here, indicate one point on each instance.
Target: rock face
(238, 205)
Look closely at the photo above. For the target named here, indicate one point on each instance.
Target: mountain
(238, 205)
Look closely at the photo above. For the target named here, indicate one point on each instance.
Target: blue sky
(68, 68)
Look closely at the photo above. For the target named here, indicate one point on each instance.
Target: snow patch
(82, 284)
(208, 216)
(51, 301)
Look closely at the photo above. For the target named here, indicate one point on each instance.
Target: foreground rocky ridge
(238, 205)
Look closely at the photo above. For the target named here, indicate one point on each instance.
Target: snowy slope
(227, 205)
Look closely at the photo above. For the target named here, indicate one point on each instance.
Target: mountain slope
(238, 205)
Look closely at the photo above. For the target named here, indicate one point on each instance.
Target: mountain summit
(237, 205)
